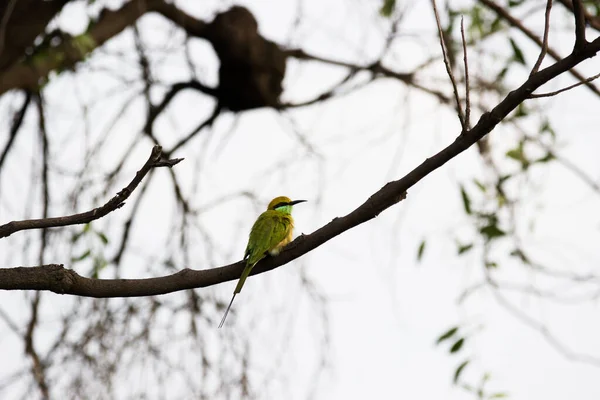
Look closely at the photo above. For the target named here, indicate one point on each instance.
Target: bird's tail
(242, 280)
(238, 289)
(227, 311)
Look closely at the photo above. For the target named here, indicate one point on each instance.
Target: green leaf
(547, 158)
(517, 52)
(78, 235)
(102, 237)
(466, 200)
(498, 395)
(518, 154)
(421, 250)
(547, 128)
(387, 8)
(447, 335)
(464, 248)
(480, 185)
(491, 264)
(457, 345)
(99, 264)
(459, 370)
(504, 178)
(513, 3)
(82, 257)
(520, 255)
(496, 25)
(492, 232)
(477, 22)
(515, 154)
(502, 74)
(521, 111)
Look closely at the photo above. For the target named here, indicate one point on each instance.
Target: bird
(269, 235)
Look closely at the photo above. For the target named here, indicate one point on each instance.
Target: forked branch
(83, 218)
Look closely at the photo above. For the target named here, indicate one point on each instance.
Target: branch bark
(505, 15)
(83, 218)
(60, 280)
(27, 75)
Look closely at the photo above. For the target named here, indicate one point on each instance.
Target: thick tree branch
(193, 27)
(505, 15)
(593, 21)
(579, 13)
(21, 22)
(82, 218)
(27, 74)
(60, 280)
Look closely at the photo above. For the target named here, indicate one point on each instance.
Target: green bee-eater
(270, 233)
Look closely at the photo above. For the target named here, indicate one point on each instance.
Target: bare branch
(459, 110)
(542, 329)
(37, 367)
(538, 63)
(110, 24)
(502, 13)
(155, 111)
(60, 280)
(116, 202)
(208, 122)
(593, 21)
(579, 13)
(550, 94)
(14, 128)
(193, 27)
(467, 89)
(376, 68)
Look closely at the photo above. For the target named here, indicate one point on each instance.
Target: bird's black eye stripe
(282, 204)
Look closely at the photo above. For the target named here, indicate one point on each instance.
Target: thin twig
(461, 115)
(538, 63)
(541, 328)
(550, 94)
(37, 367)
(208, 122)
(14, 128)
(82, 218)
(467, 89)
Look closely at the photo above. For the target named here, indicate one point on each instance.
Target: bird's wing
(268, 231)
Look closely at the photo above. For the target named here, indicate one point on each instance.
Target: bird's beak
(291, 203)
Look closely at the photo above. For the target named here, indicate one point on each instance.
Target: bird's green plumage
(271, 232)
(270, 229)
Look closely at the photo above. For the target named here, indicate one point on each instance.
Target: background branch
(83, 218)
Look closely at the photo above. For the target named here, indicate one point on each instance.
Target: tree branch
(579, 13)
(116, 202)
(60, 280)
(459, 110)
(538, 63)
(505, 15)
(25, 74)
(554, 93)
(14, 128)
(593, 21)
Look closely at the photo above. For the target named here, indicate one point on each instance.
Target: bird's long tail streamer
(227, 311)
